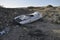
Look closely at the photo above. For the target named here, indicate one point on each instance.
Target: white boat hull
(36, 16)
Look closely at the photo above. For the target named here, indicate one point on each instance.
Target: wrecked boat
(24, 19)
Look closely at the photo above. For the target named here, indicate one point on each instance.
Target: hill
(49, 24)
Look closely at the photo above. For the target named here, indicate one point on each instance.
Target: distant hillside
(50, 13)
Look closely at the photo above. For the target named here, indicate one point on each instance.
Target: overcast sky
(25, 3)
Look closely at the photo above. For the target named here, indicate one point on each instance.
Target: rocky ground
(48, 31)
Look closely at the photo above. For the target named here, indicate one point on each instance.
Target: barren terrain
(49, 24)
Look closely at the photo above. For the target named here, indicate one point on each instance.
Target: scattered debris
(4, 31)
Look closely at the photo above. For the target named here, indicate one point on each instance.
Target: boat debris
(4, 31)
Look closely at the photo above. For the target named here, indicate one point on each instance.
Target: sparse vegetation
(50, 16)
